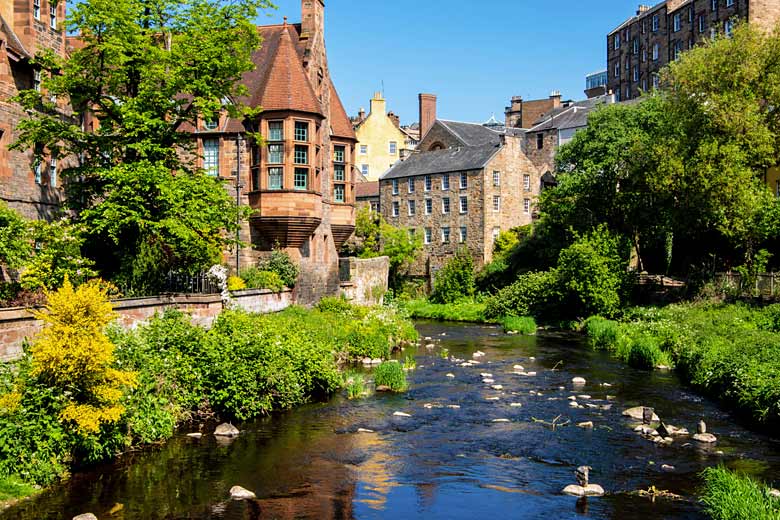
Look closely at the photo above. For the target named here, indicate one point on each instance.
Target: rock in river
(774, 493)
(587, 424)
(706, 438)
(239, 493)
(637, 412)
(85, 516)
(579, 381)
(401, 414)
(195, 435)
(226, 430)
(592, 490)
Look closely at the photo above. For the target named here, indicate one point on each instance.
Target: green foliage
(256, 278)
(467, 311)
(391, 374)
(13, 487)
(340, 306)
(355, 384)
(57, 256)
(730, 496)
(506, 242)
(14, 238)
(530, 295)
(455, 281)
(280, 263)
(602, 333)
(522, 325)
(410, 363)
(645, 353)
(235, 283)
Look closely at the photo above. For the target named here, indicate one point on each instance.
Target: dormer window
(211, 124)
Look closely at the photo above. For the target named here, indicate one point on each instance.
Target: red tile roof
(340, 124)
(367, 189)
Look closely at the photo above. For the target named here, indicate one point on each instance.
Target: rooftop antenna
(383, 88)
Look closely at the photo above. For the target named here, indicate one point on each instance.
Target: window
(496, 234)
(617, 75)
(428, 206)
(211, 157)
(445, 235)
(364, 169)
(690, 15)
(496, 179)
(275, 131)
(628, 92)
(464, 204)
(677, 22)
(677, 49)
(428, 235)
(338, 154)
(464, 181)
(728, 28)
(656, 23)
(714, 5)
(393, 147)
(37, 168)
(363, 149)
(428, 183)
(412, 205)
(636, 46)
(644, 55)
(527, 182)
(275, 153)
(656, 50)
(301, 178)
(301, 154)
(729, 3)
(37, 79)
(395, 186)
(702, 23)
(374, 206)
(338, 172)
(301, 131)
(445, 182)
(644, 85)
(338, 192)
(53, 172)
(616, 40)
(644, 25)
(656, 81)
(445, 205)
(37, 9)
(496, 203)
(275, 175)
(396, 208)
(463, 234)
(211, 124)
(52, 14)
(526, 205)
(410, 184)
(636, 74)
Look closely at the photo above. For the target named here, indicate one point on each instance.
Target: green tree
(14, 238)
(455, 280)
(147, 70)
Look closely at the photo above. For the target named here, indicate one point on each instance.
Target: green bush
(355, 385)
(466, 311)
(523, 325)
(390, 374)
(455, 280)
(255, 278)
(645, 353)
(532, 294)
(729, 496)
(602, 333)
(280, 263)
(342, 307)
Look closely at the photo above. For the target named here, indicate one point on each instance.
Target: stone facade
(22, 36)
(364, 281)
(639, 48)
(381, 142)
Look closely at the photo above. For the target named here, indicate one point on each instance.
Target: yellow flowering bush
(73, 354)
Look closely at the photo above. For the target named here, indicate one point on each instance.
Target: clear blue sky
(475, 55)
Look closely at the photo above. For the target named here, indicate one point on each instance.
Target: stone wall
(364, 280)
(16, 325)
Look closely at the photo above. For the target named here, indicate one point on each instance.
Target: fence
(765, 284)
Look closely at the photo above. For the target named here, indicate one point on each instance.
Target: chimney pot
(427, 112)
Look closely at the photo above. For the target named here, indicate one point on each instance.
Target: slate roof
(472, 134)
(573, 116)
(443, 161)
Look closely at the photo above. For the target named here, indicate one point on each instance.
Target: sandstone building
(466, 184)
(300, 183)
(642, 45)
(29, 185)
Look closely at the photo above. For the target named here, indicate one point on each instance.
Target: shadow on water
(449, 459)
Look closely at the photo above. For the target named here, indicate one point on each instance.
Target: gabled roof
(443, 161)
(279, 81)
(573, 116)
(340, 124)
(471, 134)
(367, 189)
(12, 41)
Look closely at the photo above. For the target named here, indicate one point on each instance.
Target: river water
(442, 462)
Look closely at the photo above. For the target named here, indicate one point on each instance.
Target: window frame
(463, 234)
(343, 189)
(52, 15)
(445, 182)
(411, 207)
(428, 183)
(526, 182)
(301, 154)
(463, 204)
(396, 208)
(278, 153)
(305, 132)
(445, 205)
(445, 234)
(304, 173)
(211, 162)
(526, 206)
(464, 181)
(496, 203)
(410, 185)
(274, 174)
(393, 147)
(53, 171)
(427, 236)
(339, 168)
(394, 183)
(429, 206)
(496, 179)
(272, 127)
(37, 9)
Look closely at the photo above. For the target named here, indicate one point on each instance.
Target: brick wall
(364, 280)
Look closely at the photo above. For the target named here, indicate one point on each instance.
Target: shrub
(455, 280)
(729, 496)
(342, 307)
(14, 238)
(410, 363)
(467, 311)
(523, 325)
(355, 384)
(256, 278)
(234, 283)
(58, 256)
(390, 374)
(280, 263)
(530, 295)
(602, 333)
(645, 353)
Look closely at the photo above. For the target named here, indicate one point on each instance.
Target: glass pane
(211, 156)
(275, 178)
(275, 131)
(301, 178)
(276, 153)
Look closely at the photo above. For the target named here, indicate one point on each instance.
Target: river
(449, 459)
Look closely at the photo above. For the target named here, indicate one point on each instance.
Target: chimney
(427, 112)
(378, 105)
(361, 114)
(555, 97)
(395, 119)
(514, 113)
(312, 19)
(642, 9)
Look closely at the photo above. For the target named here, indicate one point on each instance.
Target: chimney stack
(642, 9)
(395, 119)
(514, 113)
(555, 97)
(427, 112)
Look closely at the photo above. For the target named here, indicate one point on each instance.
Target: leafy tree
(57, 256)
(146, 71)
(14, 238)
(455, 280)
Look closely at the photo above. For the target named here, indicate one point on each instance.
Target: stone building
(523, 114)
(367, 194)
(300, 183)
(381, 139)
(28, 184)
(642, 45)
(465, 185)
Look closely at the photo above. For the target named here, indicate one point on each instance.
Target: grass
(729, 496)
(522, 325)
(355, 384)
(465, 311)
(410, 363)
(13, 488)
(391, 374)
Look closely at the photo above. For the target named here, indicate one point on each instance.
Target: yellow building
(381, 141)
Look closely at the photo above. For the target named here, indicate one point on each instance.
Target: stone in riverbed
(401, 414)
(195, 435)
(586, 425)
(364, 430)
(637, 413)
(226, 430)
(667, 468)
(486, 374)
(701, 427)
(383, 388)
(574, 404)
(239, 493)
(578, 381)
(450, 375)
(592, 490)
(518, 368)
(497, 387)
(515, 405)
(85, 516)
(430, 346)
(583, 397)
(500, 420)
(488, 381)
(775, 493)
(706, 438)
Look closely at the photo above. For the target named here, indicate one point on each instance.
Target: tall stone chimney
(514, 113)
(313, 37)
(555, 97)
(378, 104)
(427, 113)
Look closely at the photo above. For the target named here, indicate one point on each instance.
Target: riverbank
(728, 351)
(245, 366)
(465, 311)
